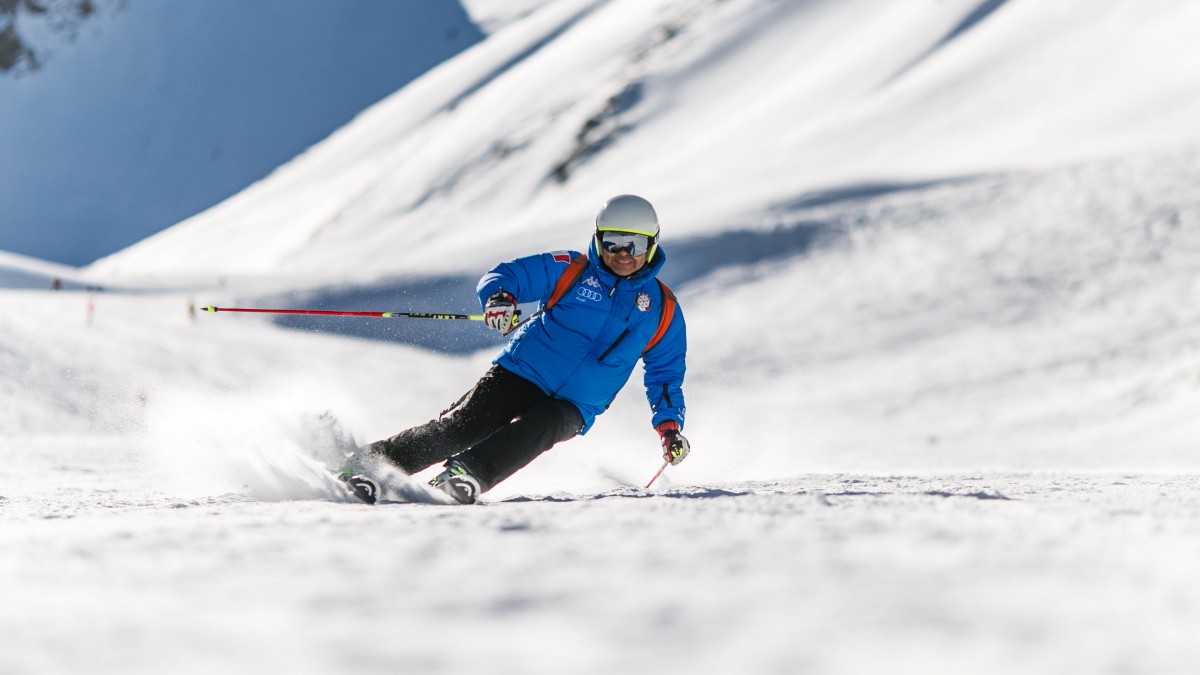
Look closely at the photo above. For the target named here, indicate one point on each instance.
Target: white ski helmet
(629, 213)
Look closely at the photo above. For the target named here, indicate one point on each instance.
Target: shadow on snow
(691, 259)
(717, 493)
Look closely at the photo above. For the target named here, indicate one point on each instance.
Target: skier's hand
(675, 446)
(499, 311)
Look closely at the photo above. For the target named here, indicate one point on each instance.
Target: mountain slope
(716, 111)
(1011, 318)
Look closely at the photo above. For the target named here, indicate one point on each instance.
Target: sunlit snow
(938, 262)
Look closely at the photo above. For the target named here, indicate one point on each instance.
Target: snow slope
(157, 110)
(955, 271)
(493, 15)
(18, 271)
(941, 388)
(715, 111)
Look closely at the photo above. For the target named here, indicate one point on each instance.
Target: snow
(18, 271)
(493, 15)
(830, 573)
(716, 85)
(938, 264)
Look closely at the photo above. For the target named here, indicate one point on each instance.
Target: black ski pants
(497, 427)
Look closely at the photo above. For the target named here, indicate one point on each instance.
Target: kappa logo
(594, 283)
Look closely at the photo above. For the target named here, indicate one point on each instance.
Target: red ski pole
(321, 312)
(663, 468)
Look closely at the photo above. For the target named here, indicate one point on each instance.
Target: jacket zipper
(613, 345)
(608, 322)
(624, 333)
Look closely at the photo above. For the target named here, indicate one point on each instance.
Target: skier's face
(624, 252)
(622, 263)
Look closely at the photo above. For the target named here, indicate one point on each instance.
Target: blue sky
(155, 112)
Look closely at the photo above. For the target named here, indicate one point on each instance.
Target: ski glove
(499, 311)
(675, 446)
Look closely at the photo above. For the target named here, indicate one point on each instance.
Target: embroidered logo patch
(643, 302)
(593, 282)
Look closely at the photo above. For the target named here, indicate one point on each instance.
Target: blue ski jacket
(585, 347)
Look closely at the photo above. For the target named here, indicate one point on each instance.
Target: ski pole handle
(517, 324)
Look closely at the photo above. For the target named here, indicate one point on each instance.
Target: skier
(562, 368)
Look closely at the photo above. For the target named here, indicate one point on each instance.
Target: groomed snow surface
(944, 344)
(973, 573)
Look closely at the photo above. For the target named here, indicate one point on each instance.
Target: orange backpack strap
(566, 281)
(664, 320)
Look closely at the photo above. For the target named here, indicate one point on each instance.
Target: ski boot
(354, 474)
(363, 487)
(457, 482)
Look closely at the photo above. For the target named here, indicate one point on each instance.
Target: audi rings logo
(589, 294)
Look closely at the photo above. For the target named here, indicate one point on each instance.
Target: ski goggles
(632, 243)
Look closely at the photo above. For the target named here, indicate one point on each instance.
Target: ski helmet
(629, 213)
